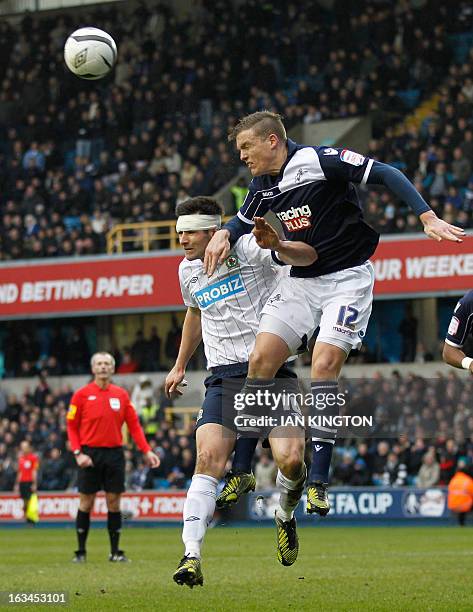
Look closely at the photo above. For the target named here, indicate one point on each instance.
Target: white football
(90, 53)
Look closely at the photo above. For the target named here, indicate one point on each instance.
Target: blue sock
(244, 451)
(321, 458)
(323, 439)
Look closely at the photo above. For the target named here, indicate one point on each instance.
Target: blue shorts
(211, 411)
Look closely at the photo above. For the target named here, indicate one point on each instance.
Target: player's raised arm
(190, 340)
(291, 253)
(342, 164)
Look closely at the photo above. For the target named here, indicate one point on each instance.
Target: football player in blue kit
(461, 326)
(311, 191)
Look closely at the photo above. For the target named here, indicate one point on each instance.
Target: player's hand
(217, 251)
(84, 461)
(266, 236)
(173, 379)
(152, 459)
(438, 229)
(34, 488)
(16, 488)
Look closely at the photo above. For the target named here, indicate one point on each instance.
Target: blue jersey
(314, 198)
(461, 324)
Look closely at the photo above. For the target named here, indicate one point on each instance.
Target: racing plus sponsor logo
(219, 291)
(296, 218)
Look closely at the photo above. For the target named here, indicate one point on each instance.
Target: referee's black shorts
(108, 472)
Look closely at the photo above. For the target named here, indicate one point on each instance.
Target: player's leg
(327, 362)
(287, 446)
(113, 475)
(345, 300)
(214, 443)
(240, 479)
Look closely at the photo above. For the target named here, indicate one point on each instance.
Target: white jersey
(232, 299)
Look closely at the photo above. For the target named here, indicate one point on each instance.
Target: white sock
(290, 494)
(198, 512)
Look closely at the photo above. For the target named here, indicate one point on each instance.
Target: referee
(94, 424)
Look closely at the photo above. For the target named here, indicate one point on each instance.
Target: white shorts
(340, 303)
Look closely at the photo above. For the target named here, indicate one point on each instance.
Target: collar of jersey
(100, 388)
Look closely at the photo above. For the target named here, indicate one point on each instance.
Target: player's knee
(327, 365)
(209, 462)
(260, 365)
(290, 464)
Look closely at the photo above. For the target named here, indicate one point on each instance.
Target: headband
(193, 223)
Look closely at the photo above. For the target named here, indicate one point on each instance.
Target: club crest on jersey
(114, 403)
(296, 218)
(453, 327)
(299, 174)
(232, 262)
(350, 157)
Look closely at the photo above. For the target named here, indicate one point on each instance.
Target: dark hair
(200, 205)
(264, 123)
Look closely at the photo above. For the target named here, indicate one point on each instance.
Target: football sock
(323, 438)
(114, 525)
(244, 451)
(290, 492)
(82, 529)
(198, 512)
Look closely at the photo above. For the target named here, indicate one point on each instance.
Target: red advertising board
(421, 265)
(137, 283)
(55, 507)
(101, 284)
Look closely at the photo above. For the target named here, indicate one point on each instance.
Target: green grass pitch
(342, 568)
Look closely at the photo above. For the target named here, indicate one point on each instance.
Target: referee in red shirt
(94, 428)
(26, 480)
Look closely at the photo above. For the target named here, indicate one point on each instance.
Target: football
(90, 53)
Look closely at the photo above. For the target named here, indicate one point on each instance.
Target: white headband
(193, 223)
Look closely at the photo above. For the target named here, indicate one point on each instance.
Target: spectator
(265, 472)
(429, 472)
(127, 365)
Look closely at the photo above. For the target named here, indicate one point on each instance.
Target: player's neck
(279, 161)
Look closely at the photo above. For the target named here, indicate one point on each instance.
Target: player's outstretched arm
(190, 340)
(455, 357)
(291, 253)
(395, 181)
(217, 251)
(438, 229)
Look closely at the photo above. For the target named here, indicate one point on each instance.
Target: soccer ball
(90, 53)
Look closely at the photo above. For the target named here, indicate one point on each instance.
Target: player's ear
(274, 140)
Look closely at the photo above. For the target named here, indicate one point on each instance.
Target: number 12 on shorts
(347, 316)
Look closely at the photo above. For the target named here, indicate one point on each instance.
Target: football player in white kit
(311, 191)
(224, 312)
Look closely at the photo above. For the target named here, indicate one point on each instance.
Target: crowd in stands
(77, 156)
(28, 349)
(422, 429)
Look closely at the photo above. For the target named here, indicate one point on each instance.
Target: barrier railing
(144, 236)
